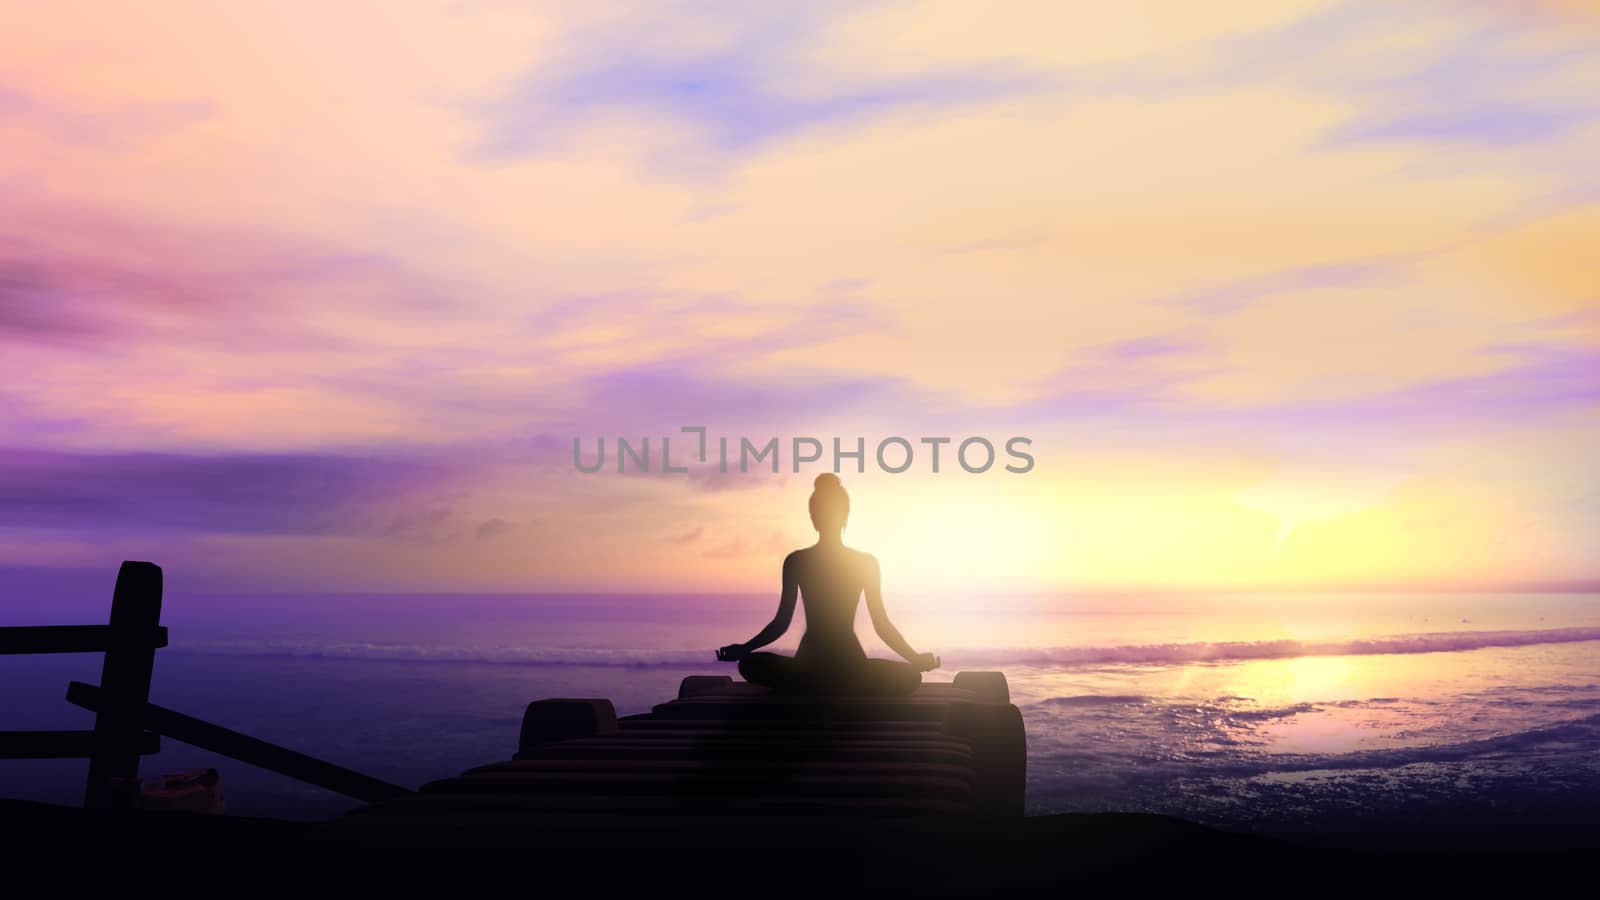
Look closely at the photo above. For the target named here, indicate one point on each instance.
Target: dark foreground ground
(1112, 852)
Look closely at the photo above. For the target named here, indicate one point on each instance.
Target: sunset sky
(312, 296)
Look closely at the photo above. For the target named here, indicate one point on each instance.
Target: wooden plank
(785, 751)
(612, 814)
(733, 786)
(655, 802)
(69, 639)
(928, 693)
(776, 737)
(839, 726)
(772, 709)
(756, 742)
(247, 749)
(712, 746)
(129, 663)
(823, 700)
(864, 768)
(61, 744)
(455, 810)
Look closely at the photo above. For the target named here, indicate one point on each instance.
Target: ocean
(1340, 718)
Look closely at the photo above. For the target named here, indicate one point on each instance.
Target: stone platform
(724, 749)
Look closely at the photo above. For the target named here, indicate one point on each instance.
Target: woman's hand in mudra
(925, 662)
(732, 653)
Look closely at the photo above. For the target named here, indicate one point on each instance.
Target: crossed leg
(869, 677)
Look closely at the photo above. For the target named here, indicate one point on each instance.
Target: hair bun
(826, 480)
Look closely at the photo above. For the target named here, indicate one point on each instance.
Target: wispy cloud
(685, 537)
(1241, 293)
(1494, 76)
(489, 529)
(79, 276)
(738, 80)
(743, 545)
(97, 126)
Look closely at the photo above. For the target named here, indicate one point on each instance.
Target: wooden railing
(127, 725)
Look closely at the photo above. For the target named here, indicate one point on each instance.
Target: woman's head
(830, 505)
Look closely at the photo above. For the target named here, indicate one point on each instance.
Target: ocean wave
(1550, 766)
(1218, 651)
(1078, 700)
(1268, 714)
(1147, 654)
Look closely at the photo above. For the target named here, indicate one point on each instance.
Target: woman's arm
(779, 623)
(885, 629)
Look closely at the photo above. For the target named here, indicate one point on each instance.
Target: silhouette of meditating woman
(830, 578)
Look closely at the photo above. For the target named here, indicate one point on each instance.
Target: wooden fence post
(125, 681)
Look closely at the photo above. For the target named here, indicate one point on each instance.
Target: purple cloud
(1136, 350)
(31, 309)
(657, 400)
(1244, 292)
(1129, 393)
(685, 537)
(76, 123)
(1545, 380)
(85, 280)
(227, 494)
(490, 529)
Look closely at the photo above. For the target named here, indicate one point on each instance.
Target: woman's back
(831, 579)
